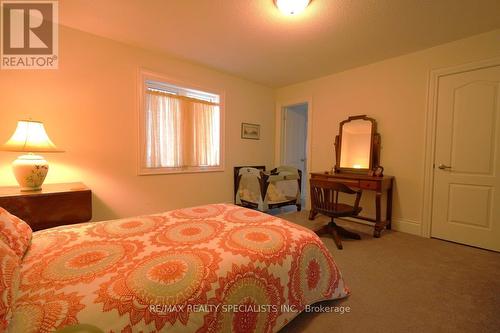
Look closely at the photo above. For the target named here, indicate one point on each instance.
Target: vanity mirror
(357, 147)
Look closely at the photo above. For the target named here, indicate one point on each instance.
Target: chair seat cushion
(339, 210)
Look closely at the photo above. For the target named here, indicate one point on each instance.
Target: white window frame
(143, 77)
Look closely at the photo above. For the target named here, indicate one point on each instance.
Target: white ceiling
(253, 40)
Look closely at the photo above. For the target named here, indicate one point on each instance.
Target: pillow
(14, 232)
(9, 281)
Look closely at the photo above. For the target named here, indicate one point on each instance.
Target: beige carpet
(405, 283)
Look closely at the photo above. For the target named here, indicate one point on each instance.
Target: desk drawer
(368, 185)
(350, 183)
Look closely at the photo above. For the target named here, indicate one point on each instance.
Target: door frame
(430, 133)
(283, 131)
(284, 110)
(278, 158)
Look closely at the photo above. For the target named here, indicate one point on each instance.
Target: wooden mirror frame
(374, 151)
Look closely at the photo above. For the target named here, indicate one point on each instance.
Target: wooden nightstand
(54, 205)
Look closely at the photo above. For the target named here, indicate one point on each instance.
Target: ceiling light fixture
(292, 7)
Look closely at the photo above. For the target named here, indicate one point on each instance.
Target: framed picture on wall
(250, 131)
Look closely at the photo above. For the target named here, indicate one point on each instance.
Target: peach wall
(394, 92)
(89, 109)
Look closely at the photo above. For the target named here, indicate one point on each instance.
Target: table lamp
(30, 169)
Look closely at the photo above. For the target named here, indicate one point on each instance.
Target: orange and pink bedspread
(214, 268)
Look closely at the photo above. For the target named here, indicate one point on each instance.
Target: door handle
(444, 167)
(302, 159)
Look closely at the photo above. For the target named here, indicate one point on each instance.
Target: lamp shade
(30, 136)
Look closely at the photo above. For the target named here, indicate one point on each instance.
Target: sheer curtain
(181, 132)
(206, 134)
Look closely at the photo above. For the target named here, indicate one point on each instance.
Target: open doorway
(294, 140)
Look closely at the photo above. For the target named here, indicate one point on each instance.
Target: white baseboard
(399, 224)
(409, 226)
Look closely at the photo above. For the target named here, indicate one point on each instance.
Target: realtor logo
(29, 34)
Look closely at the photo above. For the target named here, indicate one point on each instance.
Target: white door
(466, 201)
(295, 139)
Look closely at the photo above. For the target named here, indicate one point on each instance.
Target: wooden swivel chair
(324, 200)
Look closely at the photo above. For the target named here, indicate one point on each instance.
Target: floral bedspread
(214, 268)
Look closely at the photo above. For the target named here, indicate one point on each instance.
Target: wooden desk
(52, 206)
(370, 183)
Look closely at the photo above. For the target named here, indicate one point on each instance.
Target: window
(181, 128)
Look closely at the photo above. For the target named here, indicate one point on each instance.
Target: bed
(213, 268)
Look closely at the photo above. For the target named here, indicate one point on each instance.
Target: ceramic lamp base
(30, 171)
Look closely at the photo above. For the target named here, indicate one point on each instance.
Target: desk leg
(379, 225)
(389, 209)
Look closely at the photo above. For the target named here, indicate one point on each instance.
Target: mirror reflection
(356, 144)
